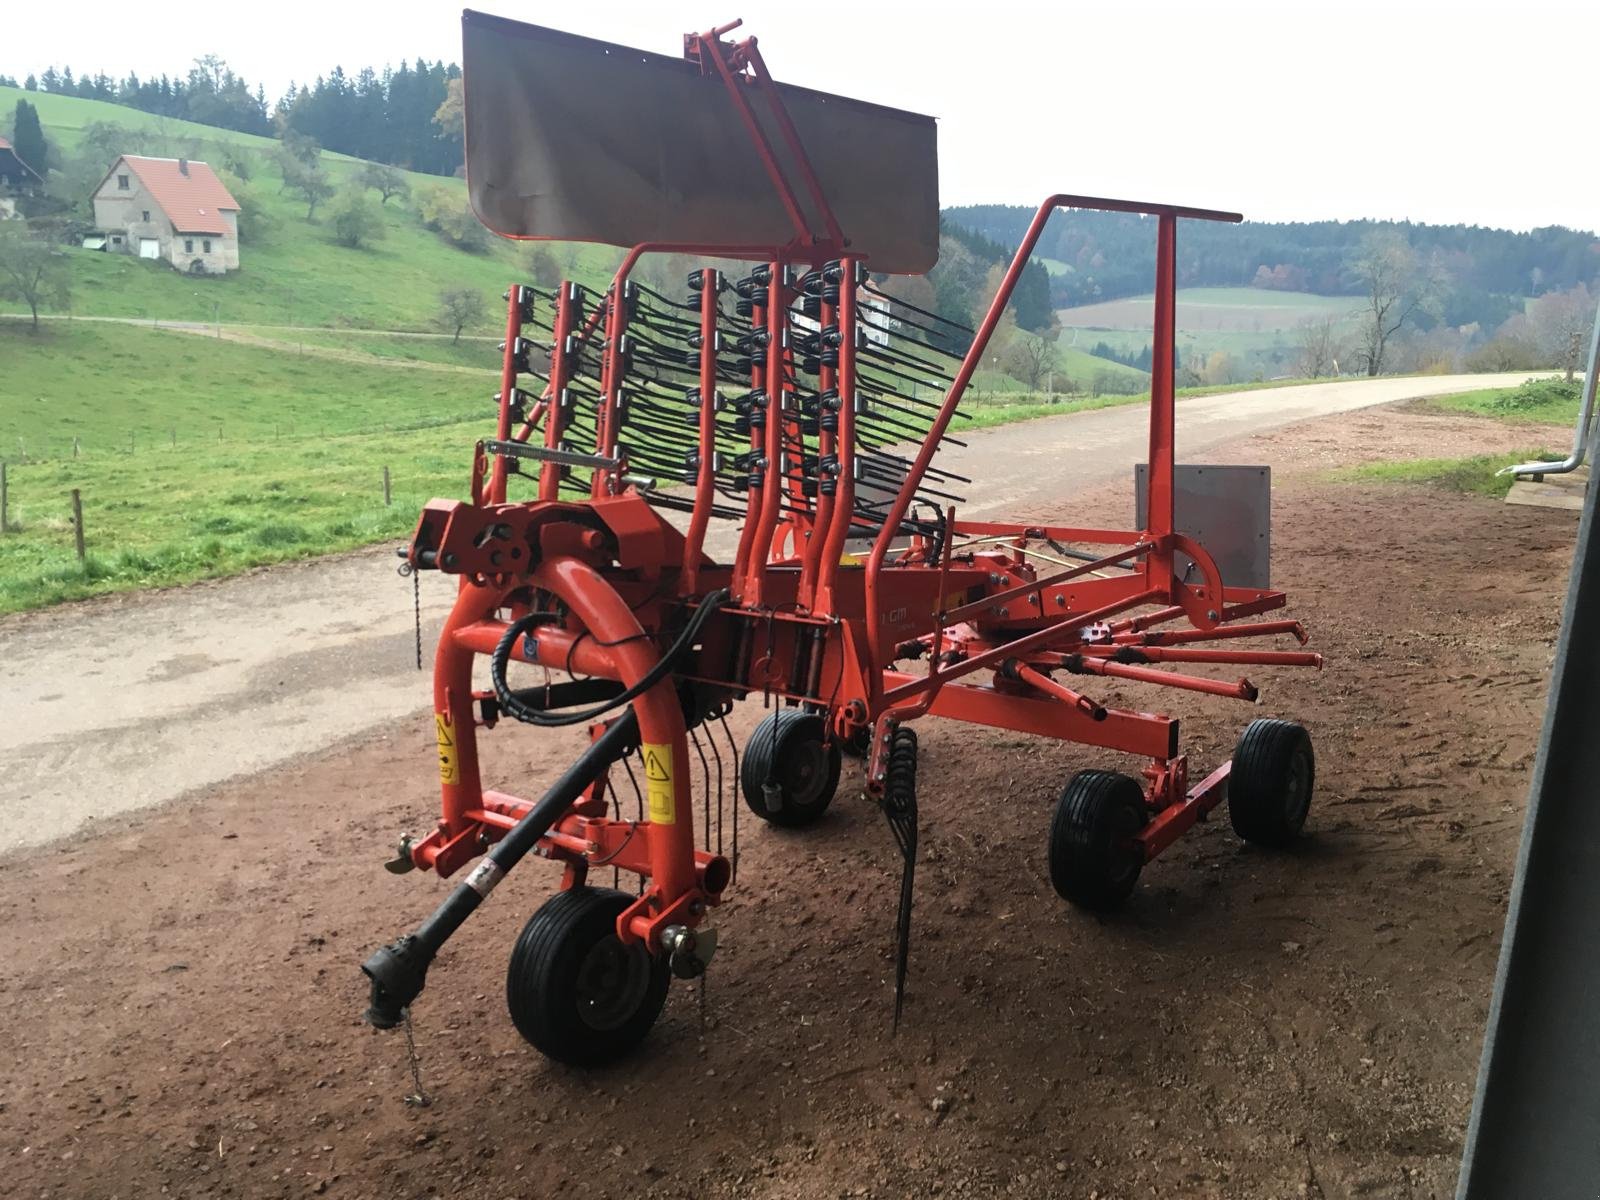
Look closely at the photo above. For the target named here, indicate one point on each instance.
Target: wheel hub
(612, 982)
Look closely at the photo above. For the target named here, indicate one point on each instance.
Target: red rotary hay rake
(770, 402)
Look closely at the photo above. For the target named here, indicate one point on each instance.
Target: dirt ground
(183, 995)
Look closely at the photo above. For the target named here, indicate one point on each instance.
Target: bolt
(697, 907)
(1061, 600)
(591, 848)
(1211, 614)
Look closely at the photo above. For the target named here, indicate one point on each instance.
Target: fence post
(77, 522)
(386, 487)
(5, 498)
(74, 447)
(174, 439)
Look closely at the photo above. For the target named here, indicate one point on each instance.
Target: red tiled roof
(191, 201)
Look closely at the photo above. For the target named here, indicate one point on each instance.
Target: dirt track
(122, 703)
(182, 988)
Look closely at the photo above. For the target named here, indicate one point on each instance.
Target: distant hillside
(1094, 257)
(294, 271)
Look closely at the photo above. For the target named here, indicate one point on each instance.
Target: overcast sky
(1295, 110)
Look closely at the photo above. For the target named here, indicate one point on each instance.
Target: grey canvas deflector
(580, 140)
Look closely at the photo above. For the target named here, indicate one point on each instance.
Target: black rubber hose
(399, 970)
(512, 707)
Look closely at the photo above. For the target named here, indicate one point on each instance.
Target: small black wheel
(1092, 863)
(575, 991)
(790, 770)
(1269, 788)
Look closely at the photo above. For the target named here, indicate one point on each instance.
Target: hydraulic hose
(513, 707)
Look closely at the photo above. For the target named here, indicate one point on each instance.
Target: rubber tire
(1097, 810)
(1270, 786)
(543, 979)
(780, 746)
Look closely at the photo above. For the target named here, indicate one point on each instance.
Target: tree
(385, 180)
(355, 222)
(1561, 324)
(458, 308)
(542, 265)
(443, 212)
(255, 222)
(27, 138)
(31, 269)
(1318, 347)
(1220, 368)
(1396, 284)
(451, 115)
(311, 184)
(1030, 358)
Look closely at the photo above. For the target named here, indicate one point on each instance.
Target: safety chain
(418, 1098)
(405, 569)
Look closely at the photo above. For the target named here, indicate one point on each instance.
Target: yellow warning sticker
(658, 782)
(449, 768)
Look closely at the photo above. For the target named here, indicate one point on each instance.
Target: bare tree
(1561, 323)
(458, 308)
(1318, 347)
(387, 181)
(1397, 284)
(1030, 358)
(31, 269)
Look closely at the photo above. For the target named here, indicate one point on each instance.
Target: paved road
(117, 704)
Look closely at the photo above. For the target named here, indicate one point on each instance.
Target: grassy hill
(1233, 310)
(296, 273)
(1255, 326)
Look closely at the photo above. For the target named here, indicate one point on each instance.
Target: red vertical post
(508, 390)
(608, 417)
(705, 474)
(555, 417)
(752, 504)
(844, 497)
(777, 385)
(1158, 506)
(822, 509)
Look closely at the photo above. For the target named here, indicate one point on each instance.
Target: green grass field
(477, 353)
(277, 457)
(1472, 476)
(103, 383)
(1544, 401)
(1235, 310)
(1254, 326)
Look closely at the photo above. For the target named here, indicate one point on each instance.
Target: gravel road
(121, 703)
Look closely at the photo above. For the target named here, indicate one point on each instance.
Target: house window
(206, 245)
(147, 214)
(116, 239)
(122, 183)
(188, 245)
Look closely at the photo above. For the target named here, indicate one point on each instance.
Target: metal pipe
(398, 971)
(1579, 435)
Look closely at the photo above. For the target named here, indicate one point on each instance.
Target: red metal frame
(994, 628)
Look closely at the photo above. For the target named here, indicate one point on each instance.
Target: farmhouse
(169, 208)
(16, 178)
